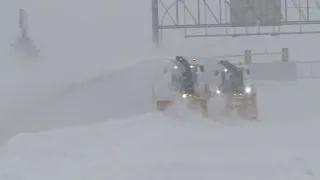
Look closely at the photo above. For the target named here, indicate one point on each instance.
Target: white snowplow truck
(185, 82)
(237, 89)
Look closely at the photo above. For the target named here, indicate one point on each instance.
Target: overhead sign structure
(246, 13)
(234, 18)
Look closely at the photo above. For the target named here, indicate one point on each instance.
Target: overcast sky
(97, 28)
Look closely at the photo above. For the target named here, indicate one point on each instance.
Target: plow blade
(245, 105)
(192, 104)
(163, 105)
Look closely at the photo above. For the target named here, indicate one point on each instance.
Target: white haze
(81, 40)
(96, 66)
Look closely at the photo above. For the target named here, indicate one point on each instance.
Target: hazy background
(80, 40)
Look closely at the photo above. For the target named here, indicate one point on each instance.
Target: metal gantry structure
(234, 18)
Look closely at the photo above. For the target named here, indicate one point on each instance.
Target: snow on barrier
(268, 68)
(276, 72)
(272, 70)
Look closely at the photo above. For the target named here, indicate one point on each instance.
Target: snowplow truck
(184, 82)
(238, 90)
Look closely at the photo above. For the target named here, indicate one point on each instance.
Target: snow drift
(153, 146)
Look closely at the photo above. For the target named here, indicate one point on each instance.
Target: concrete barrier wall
(275, 71)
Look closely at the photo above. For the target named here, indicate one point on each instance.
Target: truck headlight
(248, 90)
(218, 91)
(184, 95)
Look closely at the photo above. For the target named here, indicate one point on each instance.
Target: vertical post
(285, 54)
(199, 12)
(220, 12)
(23, 22)
(247, 57)
(184, 16)
(155, 21)
(286, 10)
(308, 13)
(153, 95)
(177, 12)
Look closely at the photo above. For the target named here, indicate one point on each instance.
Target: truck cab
(183, 75)
(234, 79)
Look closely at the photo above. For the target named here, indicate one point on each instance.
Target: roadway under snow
(82, 80)
(148, 145)
(154, 146)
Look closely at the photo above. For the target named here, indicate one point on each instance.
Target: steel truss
(211, 18)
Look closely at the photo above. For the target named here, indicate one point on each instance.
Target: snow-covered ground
(93, 87)
(283, 145)
(154, 146)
